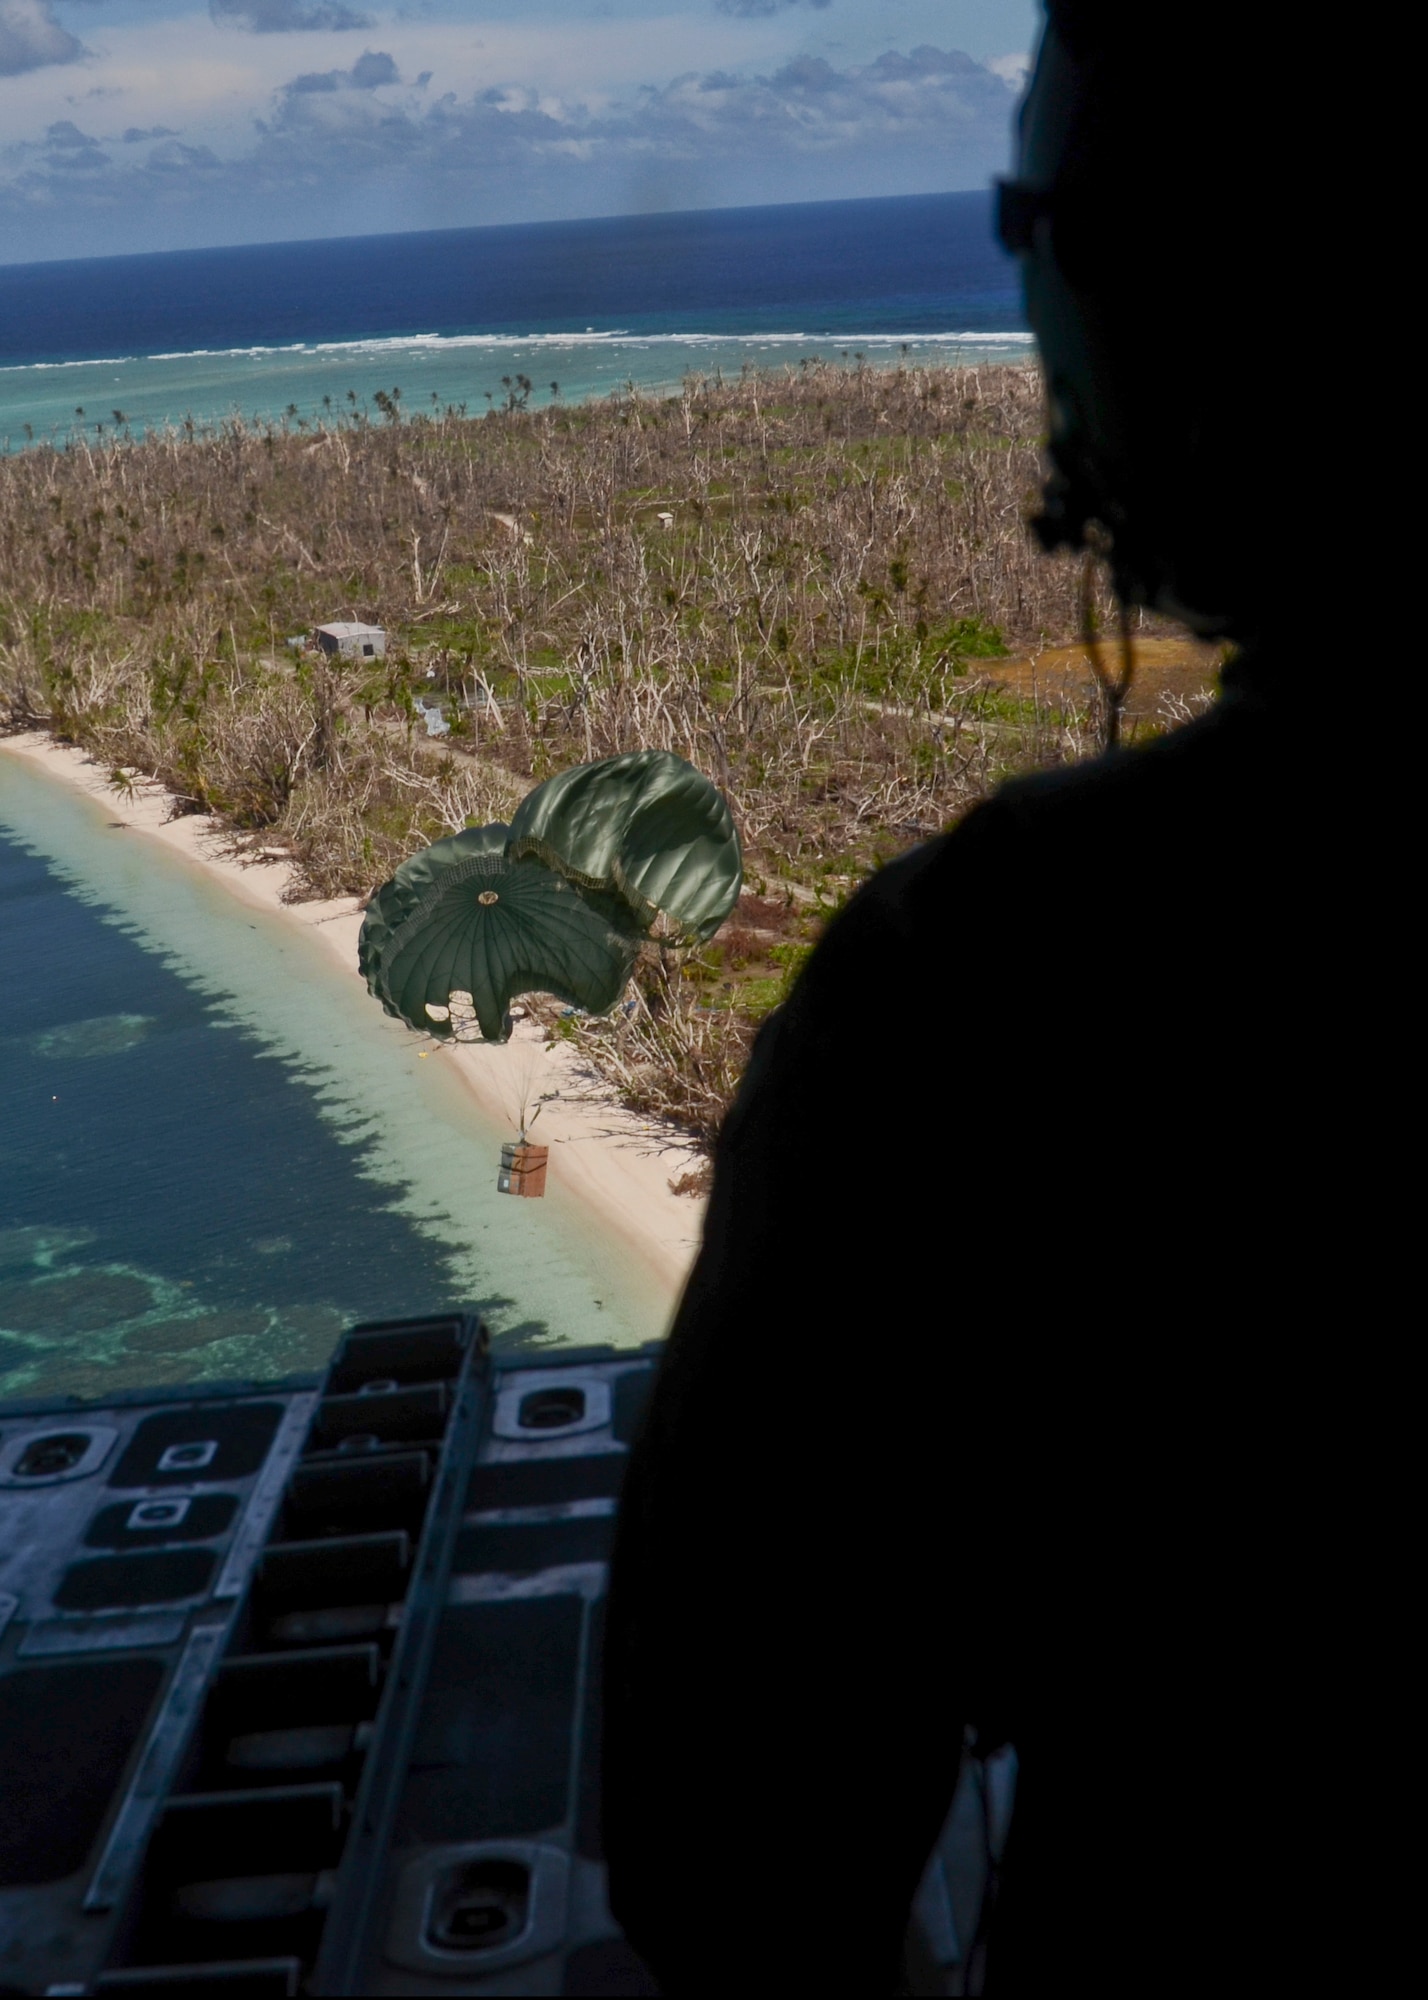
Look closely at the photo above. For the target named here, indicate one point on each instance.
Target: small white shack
(353, 642)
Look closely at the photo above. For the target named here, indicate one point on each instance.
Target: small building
(353, 642)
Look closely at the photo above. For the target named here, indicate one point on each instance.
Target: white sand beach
(615, 1165)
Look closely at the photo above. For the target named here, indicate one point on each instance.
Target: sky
(129, 125)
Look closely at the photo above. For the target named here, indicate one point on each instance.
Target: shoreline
(259, 386)
(611, 1164)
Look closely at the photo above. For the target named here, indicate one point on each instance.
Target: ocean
(308, 332)
(216, 1151)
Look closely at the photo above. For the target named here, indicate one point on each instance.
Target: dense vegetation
(793, 581)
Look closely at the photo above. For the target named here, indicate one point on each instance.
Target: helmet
(1165, 282)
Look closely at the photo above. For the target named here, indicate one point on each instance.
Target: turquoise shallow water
(69, 398)
(215, 1150)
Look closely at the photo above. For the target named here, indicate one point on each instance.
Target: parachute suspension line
(1114, 687)
(527, 1069)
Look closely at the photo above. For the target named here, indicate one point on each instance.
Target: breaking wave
(435, 343)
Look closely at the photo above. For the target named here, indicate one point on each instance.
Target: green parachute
(558, 902)
(645, 826)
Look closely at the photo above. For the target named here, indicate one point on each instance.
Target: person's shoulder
(1197, 773)
(1130, 811)
(1231, 745)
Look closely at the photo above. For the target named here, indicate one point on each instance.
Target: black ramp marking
(492, 1755)
(588, 1839)
(540, 1482)
(66, 1734)
(515, 1546)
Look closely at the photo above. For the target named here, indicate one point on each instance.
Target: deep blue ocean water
(444, 315)
(906, 264)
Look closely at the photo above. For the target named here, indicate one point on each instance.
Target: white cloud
(287, 17)
(753, 9)
(184, 71)
(70, 151)
(173, 157)
(353, 150)
(1012, 70)
(31, 37)
(369, 72)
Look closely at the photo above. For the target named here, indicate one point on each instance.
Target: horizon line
(493, 228)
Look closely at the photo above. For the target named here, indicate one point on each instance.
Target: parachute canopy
(647, 826)
(559, 901)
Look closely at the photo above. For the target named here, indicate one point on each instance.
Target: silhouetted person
(1009, 1389)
